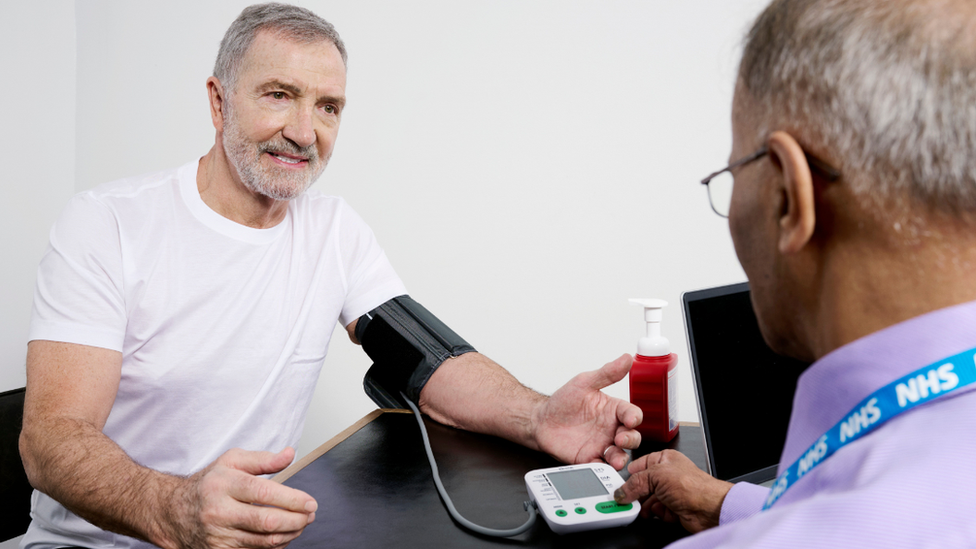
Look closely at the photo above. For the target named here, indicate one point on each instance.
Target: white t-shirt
(222, 328)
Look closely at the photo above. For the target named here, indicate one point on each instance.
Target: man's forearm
(77, 465)
(474, 393)
(577, 424)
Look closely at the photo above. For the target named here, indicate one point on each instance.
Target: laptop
(744, 390)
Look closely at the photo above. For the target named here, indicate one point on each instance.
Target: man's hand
(580, 424)
(672, 487)
(227, 505)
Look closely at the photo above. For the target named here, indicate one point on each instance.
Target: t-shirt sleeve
(79, 293)
(370, 278)
(742, 501)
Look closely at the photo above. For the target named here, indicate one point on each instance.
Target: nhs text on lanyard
(887, 402)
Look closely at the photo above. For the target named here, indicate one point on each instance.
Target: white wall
(528, 166)
(37, 150)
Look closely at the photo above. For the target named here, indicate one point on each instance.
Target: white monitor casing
(574, 498)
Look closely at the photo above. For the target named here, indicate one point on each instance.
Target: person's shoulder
(318, 207)
(128, 201)
(137, 186)
(327, 216)
(316, 200)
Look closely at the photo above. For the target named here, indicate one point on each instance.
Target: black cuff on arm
(407, 343)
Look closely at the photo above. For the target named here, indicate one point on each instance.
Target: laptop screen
(744, 389)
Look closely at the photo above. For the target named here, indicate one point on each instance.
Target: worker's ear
(797, 218)
(215, 93)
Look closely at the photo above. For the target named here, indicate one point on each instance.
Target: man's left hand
(580, 424)
(672, 487)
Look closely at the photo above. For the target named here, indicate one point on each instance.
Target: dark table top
(374, 489)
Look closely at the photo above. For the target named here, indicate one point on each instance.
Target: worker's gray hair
(885, 90)
(285, 21)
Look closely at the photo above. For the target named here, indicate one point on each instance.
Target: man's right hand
(228, 505)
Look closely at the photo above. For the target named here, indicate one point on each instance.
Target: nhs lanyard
(899, 396)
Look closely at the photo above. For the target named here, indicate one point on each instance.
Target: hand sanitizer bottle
(653, 378)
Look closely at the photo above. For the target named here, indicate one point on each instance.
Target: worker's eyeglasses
(720, 183)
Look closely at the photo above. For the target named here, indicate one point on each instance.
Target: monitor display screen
(578, 483)
(745, 390)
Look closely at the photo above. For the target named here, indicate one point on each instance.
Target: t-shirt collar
(203, 213)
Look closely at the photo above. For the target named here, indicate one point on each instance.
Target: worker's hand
(227, 505)
(580, 424)
(672, 487)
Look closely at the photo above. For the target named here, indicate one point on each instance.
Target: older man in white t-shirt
(181, 320)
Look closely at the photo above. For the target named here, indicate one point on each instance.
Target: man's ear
(798, 218)
(215, 93)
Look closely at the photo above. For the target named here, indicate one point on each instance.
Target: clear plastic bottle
(653, 378)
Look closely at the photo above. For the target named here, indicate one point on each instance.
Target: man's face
(753, 222)
(282, 117)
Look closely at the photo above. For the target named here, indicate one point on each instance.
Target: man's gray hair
(285, 21)
(885, 89)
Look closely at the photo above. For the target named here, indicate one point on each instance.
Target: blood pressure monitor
(574, 498)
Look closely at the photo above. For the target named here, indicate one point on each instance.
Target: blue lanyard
(899, 396)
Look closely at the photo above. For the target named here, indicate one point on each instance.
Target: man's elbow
(39, 446)
(28, 455)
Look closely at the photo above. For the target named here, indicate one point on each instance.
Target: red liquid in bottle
(653, 388)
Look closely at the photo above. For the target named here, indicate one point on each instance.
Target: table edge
(315, 454)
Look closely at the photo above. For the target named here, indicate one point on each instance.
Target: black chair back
(15, 491)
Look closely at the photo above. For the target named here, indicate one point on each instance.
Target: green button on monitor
(561, 513)
(613, 507)
(580, 511)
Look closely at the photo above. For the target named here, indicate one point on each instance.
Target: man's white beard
(259, 178)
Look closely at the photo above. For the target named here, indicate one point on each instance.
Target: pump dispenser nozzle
(654, 344)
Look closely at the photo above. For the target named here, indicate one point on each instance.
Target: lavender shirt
(911, 483)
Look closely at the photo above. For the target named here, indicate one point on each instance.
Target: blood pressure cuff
(407, 343)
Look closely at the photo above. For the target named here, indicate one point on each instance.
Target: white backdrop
(528, 166)
(37, 151)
